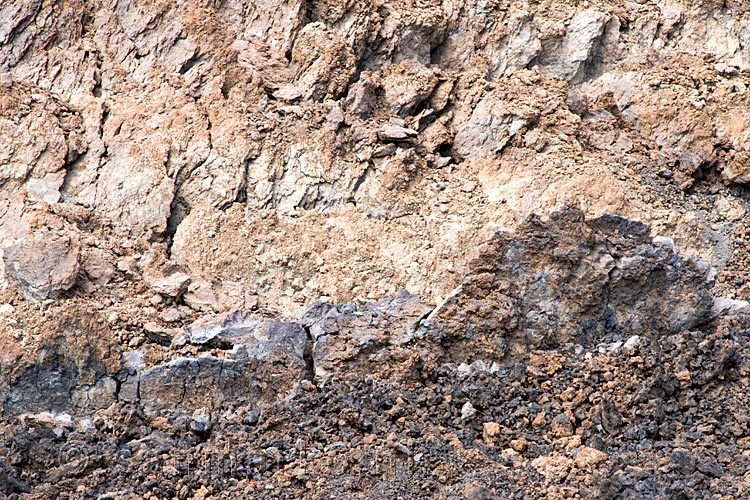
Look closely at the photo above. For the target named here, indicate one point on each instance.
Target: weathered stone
(134, 188)
(390, 132)
(201, 422)
(738, 170)
(554, 467)
(47, 420)
(97, 268)
(171, 315)
(587, 458)
(39, 136)
(232, 138)
(520, 46)
(71, 370)
(724, 306)
(407, 85)
(342, 334)
(266, 361)
(584, 32)
(562, 426)
(480, 493)
(44, 264)
(361, 98)
(324, 62)
(172, 285)
(490, 432)
(490, 127)
(158, 333)
(268, 65)
(570, 280)
(201, 297)
(468, 411)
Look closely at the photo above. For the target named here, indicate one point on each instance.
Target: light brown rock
(490, 432)
(44, 264)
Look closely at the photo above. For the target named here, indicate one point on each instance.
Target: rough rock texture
(576, 414)
(266, 361)
(572, 281)
(352, 339)
(43, 264)
(166, 164)
(144, 111)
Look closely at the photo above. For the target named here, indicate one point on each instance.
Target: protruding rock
(171, 285)
(490, 432)
(584, 33)
(47, 420)
(722, 305)
(480, 493)
(324, 62)
(265, 359)
(588, 458)
(342, 334)
(571, 280)
(44, 264)
(361, 98)
(407, 85)
(390, 132)
(468, 411)
(201, 297)
(201, 422)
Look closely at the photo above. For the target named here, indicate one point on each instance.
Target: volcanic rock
(265, 359)
(166, 164)
(343, 334)
(570, 280)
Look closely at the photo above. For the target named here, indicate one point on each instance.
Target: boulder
(262, 359)
(343, 335)
(570, 280)
(44, 264)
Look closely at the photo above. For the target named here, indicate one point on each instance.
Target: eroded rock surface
(574, 377)
(265, 360)
(356, 339)
(44, 264)
(164, 165)
(572, 281)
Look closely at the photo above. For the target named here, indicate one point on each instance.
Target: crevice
(362, 178)
(177, 214)
(221, 374)
(118, 387)
(418, 324)
(307, 355)
(225, 88)
(97, 88)
(445, 150)
(190, 63)
(69, 168)
(178, 209)
(241, 196)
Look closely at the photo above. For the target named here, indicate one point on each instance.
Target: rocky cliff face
(500, 245)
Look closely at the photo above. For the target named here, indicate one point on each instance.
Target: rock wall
(445, 120)
(215, 203)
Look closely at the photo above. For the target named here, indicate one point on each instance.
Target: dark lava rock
(9, 483)
(404, 402)
(480, 493)
(341, 334)
(73, 372)
(570, 280)
(266, 360)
